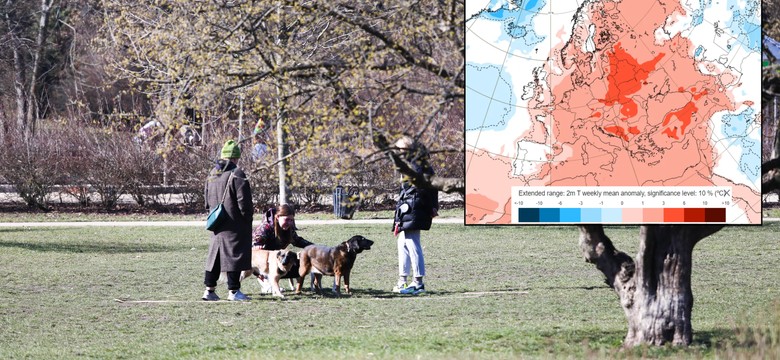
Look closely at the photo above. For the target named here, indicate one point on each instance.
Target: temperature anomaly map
(626, 111)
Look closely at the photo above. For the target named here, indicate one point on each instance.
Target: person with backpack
(414, 212)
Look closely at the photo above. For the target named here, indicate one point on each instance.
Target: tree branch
(448, 185)
(597, 248)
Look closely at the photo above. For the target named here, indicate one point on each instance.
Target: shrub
(32, 165)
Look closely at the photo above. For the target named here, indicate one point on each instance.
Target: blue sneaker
(237, 296)
(210, 296)
(413, 289)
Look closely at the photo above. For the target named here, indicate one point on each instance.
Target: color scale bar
(621, 215)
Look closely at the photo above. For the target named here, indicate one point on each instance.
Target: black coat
(232, 241)
(414, 209)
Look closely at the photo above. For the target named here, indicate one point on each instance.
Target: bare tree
(27, 56)
(318, 68)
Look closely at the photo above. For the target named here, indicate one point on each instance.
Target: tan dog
(334, 261)
(271, 265)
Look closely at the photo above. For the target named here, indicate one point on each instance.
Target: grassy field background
(16, 217)
(493, 292)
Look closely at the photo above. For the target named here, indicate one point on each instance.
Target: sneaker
(399, 287)
(413, 289)
(237, 296)
(210, 296)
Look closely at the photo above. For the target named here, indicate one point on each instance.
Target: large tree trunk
(655, 289)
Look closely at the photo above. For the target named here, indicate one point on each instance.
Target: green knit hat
(231, 150)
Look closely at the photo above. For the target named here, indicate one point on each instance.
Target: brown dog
(334, 261)
(272, 265)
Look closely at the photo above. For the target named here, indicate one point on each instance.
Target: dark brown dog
(334, 261)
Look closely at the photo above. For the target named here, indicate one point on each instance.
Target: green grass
(84, 216)
(493, 292)
(772, 212)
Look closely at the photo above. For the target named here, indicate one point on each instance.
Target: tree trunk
(281, 142)
(19, 65)
(40, 40)
(21, 99)
(655, 290)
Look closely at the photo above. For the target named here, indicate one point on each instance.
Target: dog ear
(354, 245)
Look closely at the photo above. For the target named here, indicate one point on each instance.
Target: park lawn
(493, 292)
(54, 216)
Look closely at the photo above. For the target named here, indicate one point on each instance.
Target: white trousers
(410, 253)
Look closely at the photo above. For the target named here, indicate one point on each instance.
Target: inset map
(625, 94)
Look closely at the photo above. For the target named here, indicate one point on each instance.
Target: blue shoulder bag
(217, 215)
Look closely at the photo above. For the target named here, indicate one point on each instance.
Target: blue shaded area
(737, 126)
(570, 215)
(485, 81)
(549, 215)
(753, 33)
(698, 14)
(590, 215)
(748, 32)
(611, 215)
(698, 51)
(495, 15)
(528, 215)
(518, 27)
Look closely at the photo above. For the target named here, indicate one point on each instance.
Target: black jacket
(414, 210)
(415, 206)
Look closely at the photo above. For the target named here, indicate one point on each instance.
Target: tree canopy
(333, 72)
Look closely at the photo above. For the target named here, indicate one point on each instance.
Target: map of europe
(637, 93)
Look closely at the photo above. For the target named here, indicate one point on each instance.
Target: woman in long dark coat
(230, 245)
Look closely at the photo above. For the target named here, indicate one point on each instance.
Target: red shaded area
(628, 109)
(699, 95)
(595, 140)
(617, 130)
(653, 215)
(674, 215)
(478, 206)
(695, 215)
(683, 115)
(626, 76)
(672, 133)
(715, 215)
